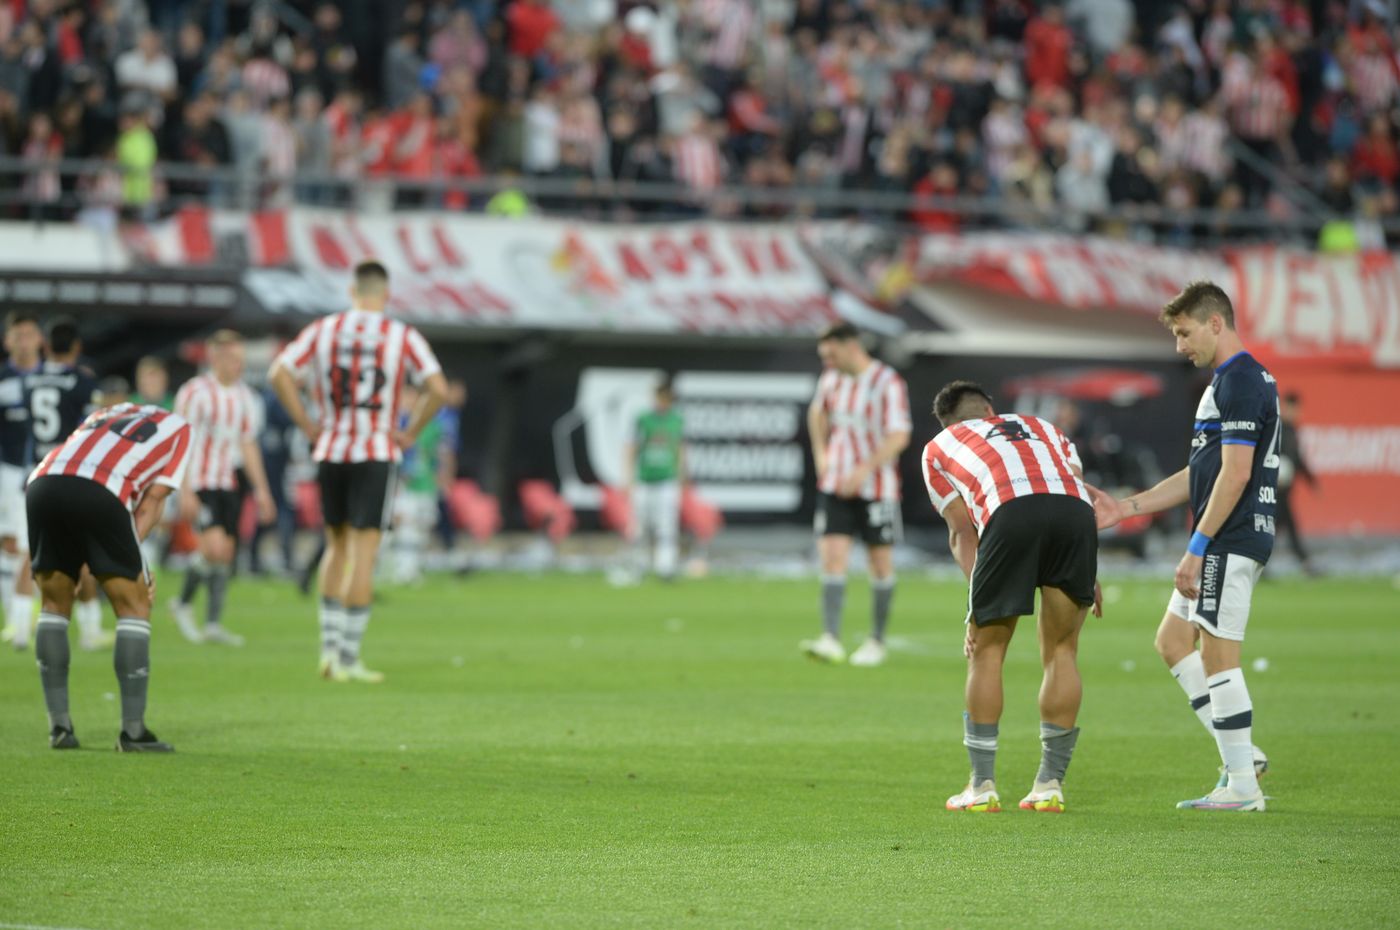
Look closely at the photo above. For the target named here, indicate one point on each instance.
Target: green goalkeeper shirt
(658, 438)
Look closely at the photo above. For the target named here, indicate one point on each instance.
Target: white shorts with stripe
(1227, 588)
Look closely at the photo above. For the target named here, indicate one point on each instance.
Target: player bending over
(355, 361)
(1230, 483)
(859, 424)
(90, 502)
(224, 416)
(1019, 518)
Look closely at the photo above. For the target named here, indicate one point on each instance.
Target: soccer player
(655, 468)
(89, 503)
(61, 395)
(859, 424)
(1019, 518)
(23, 344)
(422, 481)
(223, 414)
(354, 362)
(153, 383)
(1230, 483)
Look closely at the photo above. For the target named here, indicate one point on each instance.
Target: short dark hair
(1199, 300)
(371, 271)
(839, 332)
(667, 386)
(20, 317)
(956, 400)
(151, 362)
(63, 335)
(224, 337)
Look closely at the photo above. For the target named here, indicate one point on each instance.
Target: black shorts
(359, 495)
(1041, 540)
(75, 522)
(220, 509)
(876, 523)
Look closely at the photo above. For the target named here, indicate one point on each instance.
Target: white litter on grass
(1128, 665)
(674, 624)
(1112, 594)
(403, 748)
(458, 661)
(576, 642)
(108, 696)
(1261, 664)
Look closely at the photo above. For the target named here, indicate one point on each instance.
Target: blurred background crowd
(1070, 109)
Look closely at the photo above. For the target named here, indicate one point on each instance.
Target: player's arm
(447, 468)
(284, 385)
(257, 476)
(819, 429)
(886, 452)
(962, 535)
(1236, 464)
(629, 462)
(430, 400)
(1170, 492)
(149, 511)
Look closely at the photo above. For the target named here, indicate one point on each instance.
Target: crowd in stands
(1048, 109)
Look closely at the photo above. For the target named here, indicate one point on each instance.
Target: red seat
(308, 505)
(700, 518)
(474, 510)
(545, 509)
(616, 514)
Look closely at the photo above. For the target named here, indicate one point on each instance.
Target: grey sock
(194, 577)
(981, 742)
(356, 620)
(833, 601)
(131, 657)
(882, 598)
(218, 590)
(332, 624)
(51, 649)
(1056, 746)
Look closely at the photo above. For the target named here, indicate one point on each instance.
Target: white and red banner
(452, 269)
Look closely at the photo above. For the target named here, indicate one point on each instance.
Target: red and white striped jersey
(221, 418)
(991, 461)
(126, 449)
(355, 363)
(861, 410)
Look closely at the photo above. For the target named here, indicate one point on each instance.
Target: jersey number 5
(43, 407)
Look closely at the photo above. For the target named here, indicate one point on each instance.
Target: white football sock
(1190, 673)
(20, 619)
(1234, 720)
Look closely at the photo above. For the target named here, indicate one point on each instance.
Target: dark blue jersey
(1239, 408)
(16, 444)
(60, 398)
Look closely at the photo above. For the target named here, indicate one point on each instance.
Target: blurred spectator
(402, 67)
(146, 75)
(458, 45)
(42, 149)
(1048, 42)
(1375, 160)
(531, 24)
(942, 181)
(136, 158)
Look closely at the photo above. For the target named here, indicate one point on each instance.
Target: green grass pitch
(550, 752)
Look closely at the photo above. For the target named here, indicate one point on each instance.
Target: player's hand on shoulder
(1108, 511)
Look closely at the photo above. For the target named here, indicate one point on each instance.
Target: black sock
(131, 657)
(51, 649)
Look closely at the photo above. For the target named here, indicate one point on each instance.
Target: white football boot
(871, 653)
(826, 648)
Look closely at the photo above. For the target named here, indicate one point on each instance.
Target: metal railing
(87, 185)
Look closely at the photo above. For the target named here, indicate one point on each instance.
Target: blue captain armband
(1198, 543)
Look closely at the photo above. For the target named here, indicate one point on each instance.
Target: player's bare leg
(332, 609)
(1176, 644)
(131, 658)
(218, 549)
(51, 649)
(88, 612)
(986, 653)
(1061, 692)
(834, 551)
(362, 550)
(872, 652)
